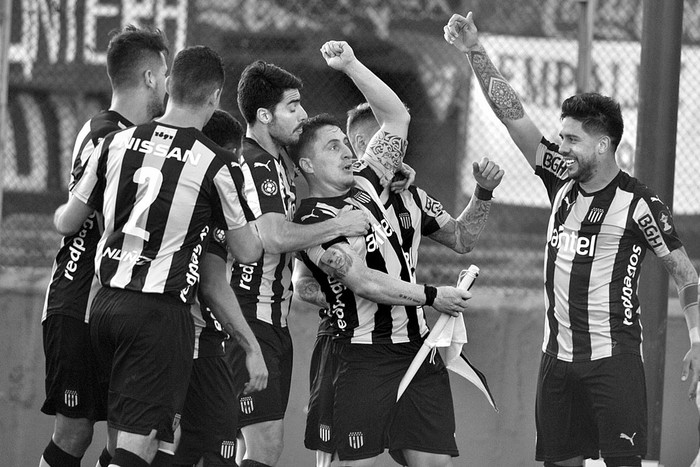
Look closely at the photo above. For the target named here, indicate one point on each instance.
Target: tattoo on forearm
(388, 149)
(500, 95)
(410, 298)
(310, 291)
(471, 223)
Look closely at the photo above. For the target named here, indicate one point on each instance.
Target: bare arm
(461, 234)
(224, 305)
(684, 275)
(70, 216)
(281, 236)
(461, 32)
(342, 262)
(306, 286)
(245, 243)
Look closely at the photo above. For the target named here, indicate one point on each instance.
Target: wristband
(430, 294)
(688, 296)
(483, 194)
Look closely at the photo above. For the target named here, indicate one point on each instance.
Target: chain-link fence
(57, 80)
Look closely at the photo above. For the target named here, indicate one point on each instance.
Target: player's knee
(73, 435)
(628, 461)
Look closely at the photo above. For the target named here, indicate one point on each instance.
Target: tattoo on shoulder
(388, 149)
(337, 262)
(501, 96)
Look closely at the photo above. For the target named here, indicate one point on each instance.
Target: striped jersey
(73, 269)
(399, 220)
(595, 246)
(264, 288)
(159, 188)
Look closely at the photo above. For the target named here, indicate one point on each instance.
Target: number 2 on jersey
(149, 180)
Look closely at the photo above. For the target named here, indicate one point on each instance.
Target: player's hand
(403, 179)
(352, 222)
(488, 174)
(691, 369)
(451, 300)
(257, 370)
(338, 54)
(461, 32)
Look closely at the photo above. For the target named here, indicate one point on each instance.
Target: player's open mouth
(569, 162)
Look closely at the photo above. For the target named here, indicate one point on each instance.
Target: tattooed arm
(388, 146)
(684, 275)
(461, 32)
(341, 262)
(462, 233)
(306, 286)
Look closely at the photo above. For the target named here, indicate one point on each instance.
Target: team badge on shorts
(324, 432)
(228, 449)
(269, 187)
(70, 398)
(356, 439)
(247, 406)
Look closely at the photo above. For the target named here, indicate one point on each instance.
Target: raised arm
(342, 262)
(684, 275)
(282, 236)
(223, 303)
(462, 233)
(461, 32)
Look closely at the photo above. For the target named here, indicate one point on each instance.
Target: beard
(155, 107)
(584, 171)
(282, 137)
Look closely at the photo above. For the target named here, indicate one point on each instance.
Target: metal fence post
(5, 13)
(585, 44)
(654, 165)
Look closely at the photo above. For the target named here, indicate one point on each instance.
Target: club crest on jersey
(228, 449)
(356, 439)
(595, 215)
(405, 220)
(247, 406)
(70, 398)
(665, 222)
(269, 187)
(324, 432)
(362, 196)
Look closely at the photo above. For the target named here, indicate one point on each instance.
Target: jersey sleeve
(655, 225)
(382, 158)
(433, 215)
(231, 202)
(312, 213)
(90, 188)
(550, 167)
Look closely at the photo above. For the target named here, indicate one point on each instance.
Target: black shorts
(144, 345)
(270, 403)
(210, 415)
(366, 417)
(586, 407)
(71, 382)
(319, 419)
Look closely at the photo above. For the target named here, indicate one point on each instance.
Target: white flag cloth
(450, 332)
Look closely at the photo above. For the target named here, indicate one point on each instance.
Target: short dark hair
(357, 115)
(131, 48)
(597, 114)
(309, 128)
(197, 71)
(224, 129)
(261, 86)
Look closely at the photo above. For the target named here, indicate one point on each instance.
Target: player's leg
(261, 414)
(566, 432)
(70, 391)
(422, 430)
(319, 418)
(618, 394)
